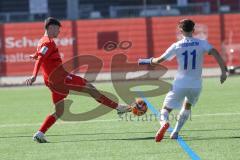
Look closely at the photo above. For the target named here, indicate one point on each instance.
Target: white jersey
(189, 53)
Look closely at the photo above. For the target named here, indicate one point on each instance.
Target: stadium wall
(133, 37)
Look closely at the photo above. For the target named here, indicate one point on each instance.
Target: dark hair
(51, 21)
(186, 25)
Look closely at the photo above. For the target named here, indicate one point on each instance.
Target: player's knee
(90, 88)
(188, 106)
(93, 91)
(59, 110)
(167, 108)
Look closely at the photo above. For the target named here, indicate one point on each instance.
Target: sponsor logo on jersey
(189, 44)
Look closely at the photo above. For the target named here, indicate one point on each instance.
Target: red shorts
(71, 82)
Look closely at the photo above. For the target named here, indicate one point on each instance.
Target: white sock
(121, 107)
(40, 133)
(164, 116)
(183, 116)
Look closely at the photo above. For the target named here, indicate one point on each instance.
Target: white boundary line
(215, 114)
(103, 120)
(57, 123)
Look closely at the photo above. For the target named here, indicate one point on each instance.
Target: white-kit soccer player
(187, 85)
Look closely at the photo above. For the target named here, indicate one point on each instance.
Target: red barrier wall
(232, 28)
(2, 52)
(21, 40)
(148, 37)
(93, 34)
(232, 38)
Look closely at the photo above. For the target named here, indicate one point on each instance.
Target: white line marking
(60, 122)
(215, 114)
(104, 120)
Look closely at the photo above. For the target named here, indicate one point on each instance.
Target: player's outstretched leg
(183, 116)
(164, 124)
(90, 89)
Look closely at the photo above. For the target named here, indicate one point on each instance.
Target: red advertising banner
(21, 39)
(231, 44)
(107, 38)
(2, 53)
(124, 40)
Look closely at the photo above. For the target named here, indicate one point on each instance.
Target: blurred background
(135, 28)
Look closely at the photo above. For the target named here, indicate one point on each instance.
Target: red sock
(48, 122)
(107, 102)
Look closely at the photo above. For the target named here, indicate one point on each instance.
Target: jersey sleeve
(170, 53)
(42, 52)
(206, 46)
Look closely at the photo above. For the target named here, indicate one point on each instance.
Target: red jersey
(49, 59)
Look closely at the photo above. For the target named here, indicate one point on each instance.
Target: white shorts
(176, 96)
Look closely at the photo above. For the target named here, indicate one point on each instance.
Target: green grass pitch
(212, 133)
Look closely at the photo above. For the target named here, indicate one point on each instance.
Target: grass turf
(213, 131)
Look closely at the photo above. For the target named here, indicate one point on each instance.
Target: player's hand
(33, 56)
(146, 61)
(30, 80)
(223, 78)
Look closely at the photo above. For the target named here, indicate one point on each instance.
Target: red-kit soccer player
(48, 58)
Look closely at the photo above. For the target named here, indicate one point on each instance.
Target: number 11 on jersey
(186, 56)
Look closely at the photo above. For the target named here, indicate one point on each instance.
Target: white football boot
(39, 137)
(121, 109)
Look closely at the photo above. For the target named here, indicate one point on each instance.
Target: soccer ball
(139, 107)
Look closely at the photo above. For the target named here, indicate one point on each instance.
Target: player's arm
(37, 66)
(151, 61)
(158, 60)
(39, 57)
(168, 55)
(221, 63)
